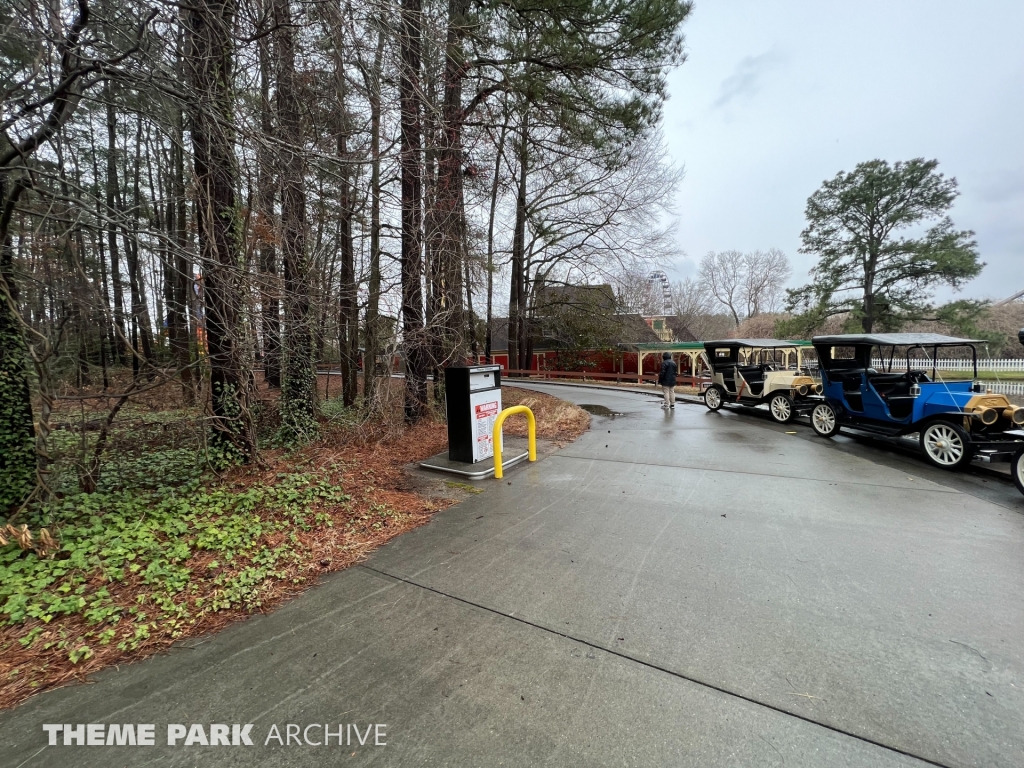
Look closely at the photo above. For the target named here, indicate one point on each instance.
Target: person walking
(667, 379)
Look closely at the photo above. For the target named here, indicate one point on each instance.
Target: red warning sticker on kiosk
(486, 410)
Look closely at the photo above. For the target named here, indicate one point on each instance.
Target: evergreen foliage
(873, 265)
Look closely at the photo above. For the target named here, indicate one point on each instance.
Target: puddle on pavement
(741, 438)
(731, 437)
(600, 410)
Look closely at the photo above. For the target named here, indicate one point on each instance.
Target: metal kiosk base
(478, 471)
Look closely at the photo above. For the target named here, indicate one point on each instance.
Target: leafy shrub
(127, 560)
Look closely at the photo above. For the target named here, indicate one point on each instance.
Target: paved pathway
(673, 589)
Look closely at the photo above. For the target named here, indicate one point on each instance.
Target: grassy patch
(557, 420)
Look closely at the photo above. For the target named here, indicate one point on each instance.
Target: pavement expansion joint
(649, 665)
(938, 489)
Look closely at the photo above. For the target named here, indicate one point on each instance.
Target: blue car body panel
(936, 399)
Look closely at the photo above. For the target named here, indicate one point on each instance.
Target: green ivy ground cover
(177, 553)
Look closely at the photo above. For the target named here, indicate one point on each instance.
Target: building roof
(756, 343)
(629, 329)
(662, 346)
(593, 298)
(895, 339)
(680, 331)
(633, 329)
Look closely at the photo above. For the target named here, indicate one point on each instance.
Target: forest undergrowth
(167, 548)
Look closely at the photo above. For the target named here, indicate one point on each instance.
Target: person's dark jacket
(667, 377)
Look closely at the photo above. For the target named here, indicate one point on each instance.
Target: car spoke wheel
(781, 408)
(946, 445)
(824, 420)
(1017, 470)
(713, 398)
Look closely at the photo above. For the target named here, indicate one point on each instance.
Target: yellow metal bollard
(531, 431)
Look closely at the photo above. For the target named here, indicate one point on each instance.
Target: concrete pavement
(677, 589)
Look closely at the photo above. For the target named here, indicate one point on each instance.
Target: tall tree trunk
(103, 313)
(348, 309)
(120, 326)
(209, 62)
(141, 324)
(17, 433)
(108, 345)
(70, 237)
(348, 316)
(179, 266)
(412, 213)
(22, 463)
(373, 329)
(298, 389)
(266, 229)
(469, 315)
(517, 302)
(448, 325)
(498, 157)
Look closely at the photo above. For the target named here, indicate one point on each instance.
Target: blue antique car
(888, 384)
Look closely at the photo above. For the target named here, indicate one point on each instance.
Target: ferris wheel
(666, 290)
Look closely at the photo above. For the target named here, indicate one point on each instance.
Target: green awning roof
(683, 346)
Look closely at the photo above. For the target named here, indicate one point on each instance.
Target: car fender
(961, 420)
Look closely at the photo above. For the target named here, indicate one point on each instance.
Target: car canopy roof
(756, 343)
(894, 340)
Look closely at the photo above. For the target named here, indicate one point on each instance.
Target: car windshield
(955, 362)
(777, 357)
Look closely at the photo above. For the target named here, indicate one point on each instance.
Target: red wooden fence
(647, 378)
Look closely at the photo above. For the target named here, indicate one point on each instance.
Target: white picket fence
(1005, 387)
(984, 364)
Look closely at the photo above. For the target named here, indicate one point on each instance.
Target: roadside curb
(690, 399)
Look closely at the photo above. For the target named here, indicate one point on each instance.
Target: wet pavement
(675, 588)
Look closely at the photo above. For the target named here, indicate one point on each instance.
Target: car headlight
(1015, 414)
(987, 416)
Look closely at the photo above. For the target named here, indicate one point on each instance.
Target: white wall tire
(781, 408)
(825, 420)
(1017, 470)
(946, 445)
(713, 397)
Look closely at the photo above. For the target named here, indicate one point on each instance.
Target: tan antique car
(753, 372)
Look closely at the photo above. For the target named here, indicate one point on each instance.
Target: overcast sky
(777, 97)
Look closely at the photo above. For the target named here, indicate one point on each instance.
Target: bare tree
(413, 332)
(721, 273)
(746, 284)
(254, 176)
(43, 93)
(635, 291)
(765, 285)
(698, 310)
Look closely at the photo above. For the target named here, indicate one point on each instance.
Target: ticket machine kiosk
(473, 400)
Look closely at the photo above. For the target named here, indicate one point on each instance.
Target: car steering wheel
(916, 377)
